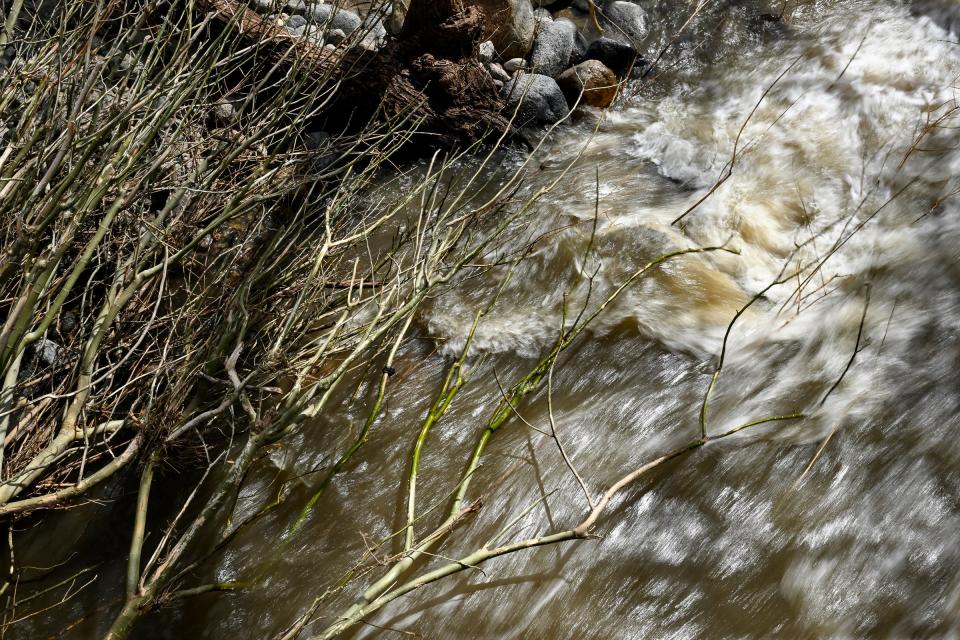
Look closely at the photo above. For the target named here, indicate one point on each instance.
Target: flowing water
(843, 524)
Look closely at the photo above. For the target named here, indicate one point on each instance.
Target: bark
(429, 73)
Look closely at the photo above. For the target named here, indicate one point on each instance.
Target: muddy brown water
(735, 541)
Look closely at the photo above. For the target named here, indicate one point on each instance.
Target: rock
(594, 80)
(336, 36)
(267, 6)
(617, 55)
(296, 22)
(583, 21)
(374, 33)
(486, 52)
(314, 140)
(68, 322)
(330, 15)
(541, 18)
(624, 20)
(38, 356)
(510, 26)
(314, 33)
(398, 13)
(580, 46)
(45, 352)
(498, 84)
(224, 111)
(514, 64)
(542, 15)
(497, 72)
(553, 48)
(292, 6)
(536, 99)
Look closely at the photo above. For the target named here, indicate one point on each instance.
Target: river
(821, 147)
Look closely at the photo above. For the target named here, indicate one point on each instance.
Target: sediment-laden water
(843, 524)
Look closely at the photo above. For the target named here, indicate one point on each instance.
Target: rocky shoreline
(544, 57)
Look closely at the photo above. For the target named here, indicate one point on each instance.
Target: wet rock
(486, 52)
(624, 20)
(510, 26)
(514, 64)
(553, 48)
(536, 99)
(594, 80)
(615, 54)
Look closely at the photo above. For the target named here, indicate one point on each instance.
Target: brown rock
(592, 78)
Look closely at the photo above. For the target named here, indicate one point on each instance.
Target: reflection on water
(827, 193)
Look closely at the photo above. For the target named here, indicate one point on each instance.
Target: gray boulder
(536, 99)
(296, 23)
(398, 13)
(68, 322)
(268, 7)
(45, 352)
(374, 33)
(510, 26)
(38, 356)
(337, 18)
(486, 52)
(542, 15)
(624, 20)
(580, 46)
(514, 64)
(553, 48)
(541, 18)
(617, 55)
(497, 72)
(326, 14)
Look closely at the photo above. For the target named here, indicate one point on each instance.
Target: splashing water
(837, 186)
(819, 147)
